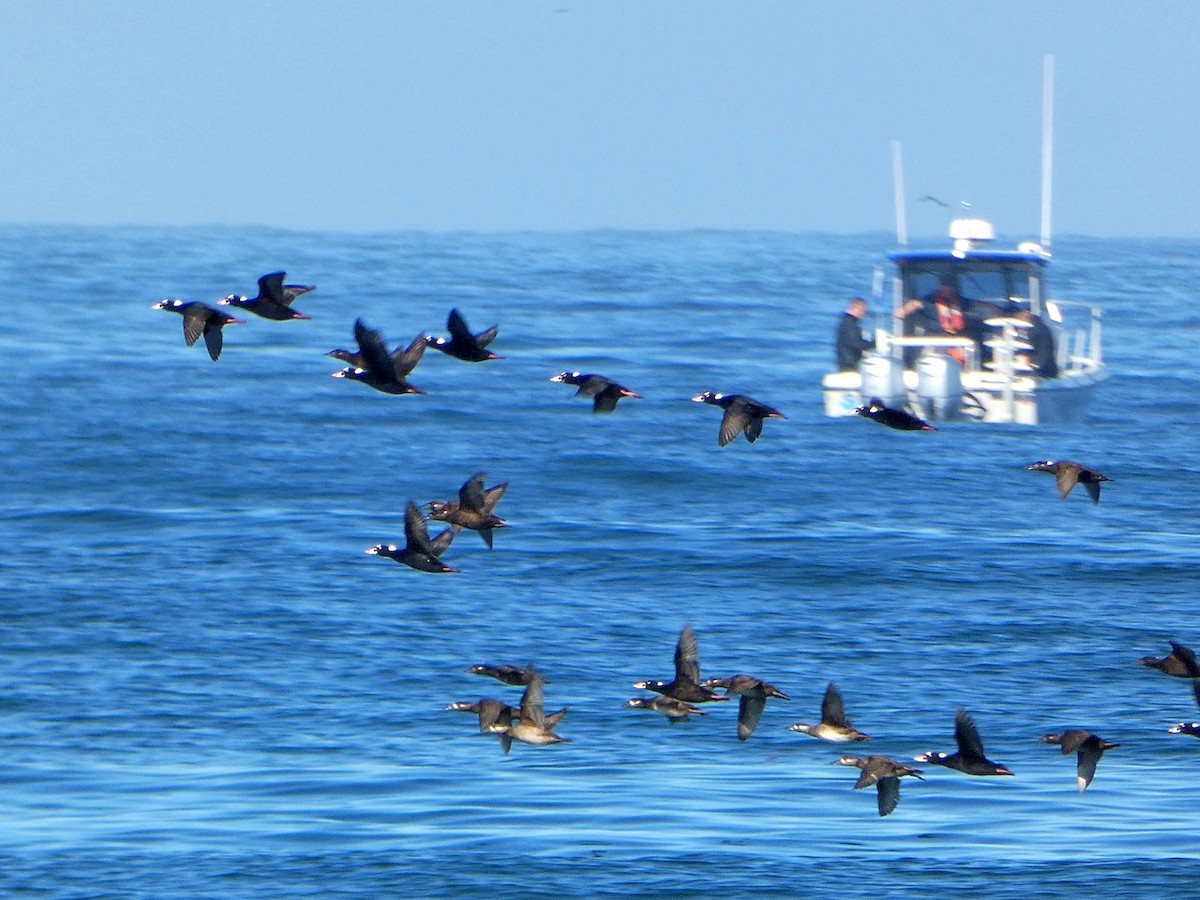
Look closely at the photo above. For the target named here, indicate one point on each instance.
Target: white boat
(987, 373)
(989, 369)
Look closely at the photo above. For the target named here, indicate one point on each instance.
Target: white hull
(987, 397)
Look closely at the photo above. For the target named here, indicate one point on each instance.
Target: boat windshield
(992, 282)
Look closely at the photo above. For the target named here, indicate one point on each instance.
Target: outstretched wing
(492, 496)
(966, 735)
(373, 351)
(732, 422)
(1066, 477)
(416, 534)
(195, 318)
(404, 361)
(687, 656)
(889, 794)
(832, 711)
(470, 495)
(749, 712)
(486, 337)
(532, 709)
(457, 326)
(270, 287)
(213, 336)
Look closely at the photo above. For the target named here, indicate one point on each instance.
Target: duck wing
(1066, 478)
(292, 291)
(966, 735)
(376, 359)
(1187, 657)
(492, 496)
(404, 361)
(486, 337)
(889, 794)
(195, 319)
(606, 399)
(750, 708)
(687, 656)
(270, 290)
(214, 335)
(470, 495)
(416, 534)
(441, 543)
(832, 711)
(734, 420)
(1088, 756)
(532, 709)
(460, 333)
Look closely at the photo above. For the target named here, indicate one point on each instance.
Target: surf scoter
(490, 711)
(473, 509)
(533, 726)
(834, 726)
(462, 344)
(900, 419)
(686, 684)
(883, 772)
(742, 413)
(419, 551)
(604, 392)
(513, 675)
(969, 758)
(1068, 473)
(1090, 748)
(200, 318)
(404, 359)
(752, 699)
(1180, 662)
(675, 710)
(274, 300)
(381, 370)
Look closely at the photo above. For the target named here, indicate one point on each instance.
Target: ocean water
(207, 689)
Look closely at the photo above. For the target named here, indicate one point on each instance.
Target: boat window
(995, 283)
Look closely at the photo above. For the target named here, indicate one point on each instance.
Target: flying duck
(900, 419)
(883, 772)
(752, 698)
(604, 392)
(742, 413)
(1068, 473)
(473, 509)
(274, 300)
(834, 726)
(686, 684)
(419, 551)
(379, 369)
(969, 758)
(200, 318)
(1090, 748)
(462, 344)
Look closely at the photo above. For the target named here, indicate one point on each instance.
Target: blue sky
(567, 115)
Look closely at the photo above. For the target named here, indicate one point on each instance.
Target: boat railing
(1077, 328)
(885, 341)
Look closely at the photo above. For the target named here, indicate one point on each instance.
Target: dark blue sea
(208, 690)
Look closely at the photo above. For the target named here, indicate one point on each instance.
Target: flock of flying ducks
(388, 371)
(677, 699)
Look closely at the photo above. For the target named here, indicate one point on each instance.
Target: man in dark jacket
(850, 342)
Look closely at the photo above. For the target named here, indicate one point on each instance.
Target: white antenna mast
(1047, 144)
(898, 184)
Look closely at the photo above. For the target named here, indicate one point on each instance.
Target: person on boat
(850, 342)
(1043, 357)
(948, 314)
